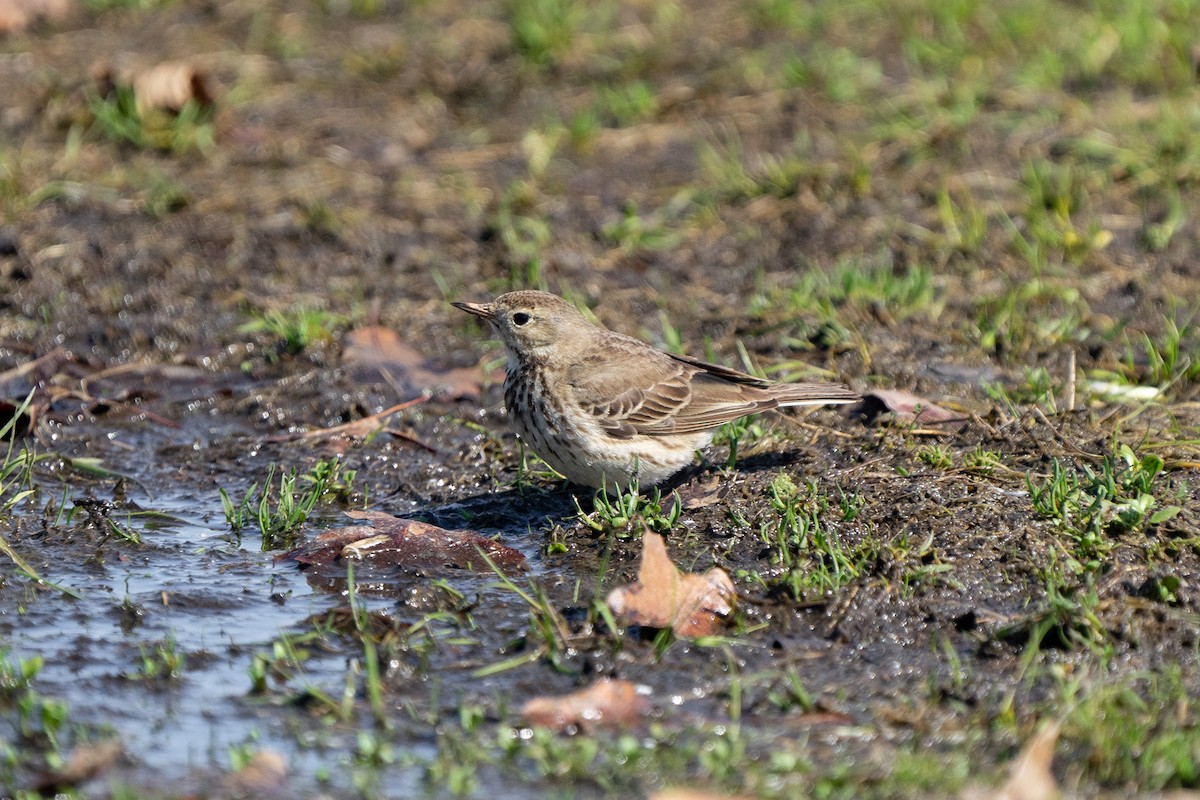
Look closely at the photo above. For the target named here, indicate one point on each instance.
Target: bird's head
(528, 321)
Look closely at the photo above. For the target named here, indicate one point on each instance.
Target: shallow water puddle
(190, 591)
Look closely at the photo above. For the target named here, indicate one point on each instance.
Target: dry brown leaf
(86, 761)
(17, 15)
(169, 86)
(703, 495)
(392, 541)
(1030, 777)
(690, 604)
(373, 351)
(691, 794)
(13, 16)
(263, 775)
(606, 703)
(904, 406)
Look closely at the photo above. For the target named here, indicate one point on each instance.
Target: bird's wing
(639, 390)
(728, 373)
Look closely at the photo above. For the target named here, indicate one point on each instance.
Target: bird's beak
(478, 309)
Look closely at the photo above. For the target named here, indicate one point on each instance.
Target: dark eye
(521, 318)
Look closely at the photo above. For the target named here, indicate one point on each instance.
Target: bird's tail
(812, 394)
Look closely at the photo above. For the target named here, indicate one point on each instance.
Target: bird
(605, 409)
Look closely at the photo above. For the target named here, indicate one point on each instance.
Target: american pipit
(603, 408)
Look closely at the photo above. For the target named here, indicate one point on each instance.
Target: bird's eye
(521, 318)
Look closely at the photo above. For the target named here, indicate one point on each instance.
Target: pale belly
(614, 463)
(587, 455)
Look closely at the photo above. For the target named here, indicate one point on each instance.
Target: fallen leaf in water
(17, 15)
(325, 548)
(606, 703)
(392, 541)
(86, 762)
(263, 776)
(373, 351)
(904, 406)
(690, 604)
(1030, 777)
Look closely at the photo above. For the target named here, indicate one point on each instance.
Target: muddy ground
(818, 188)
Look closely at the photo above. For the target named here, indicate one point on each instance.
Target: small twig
(22, 370)
(1070, 400)
(359, 427)
(809, 426)
(1071, 447)
(412, 439)
(981, 422)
